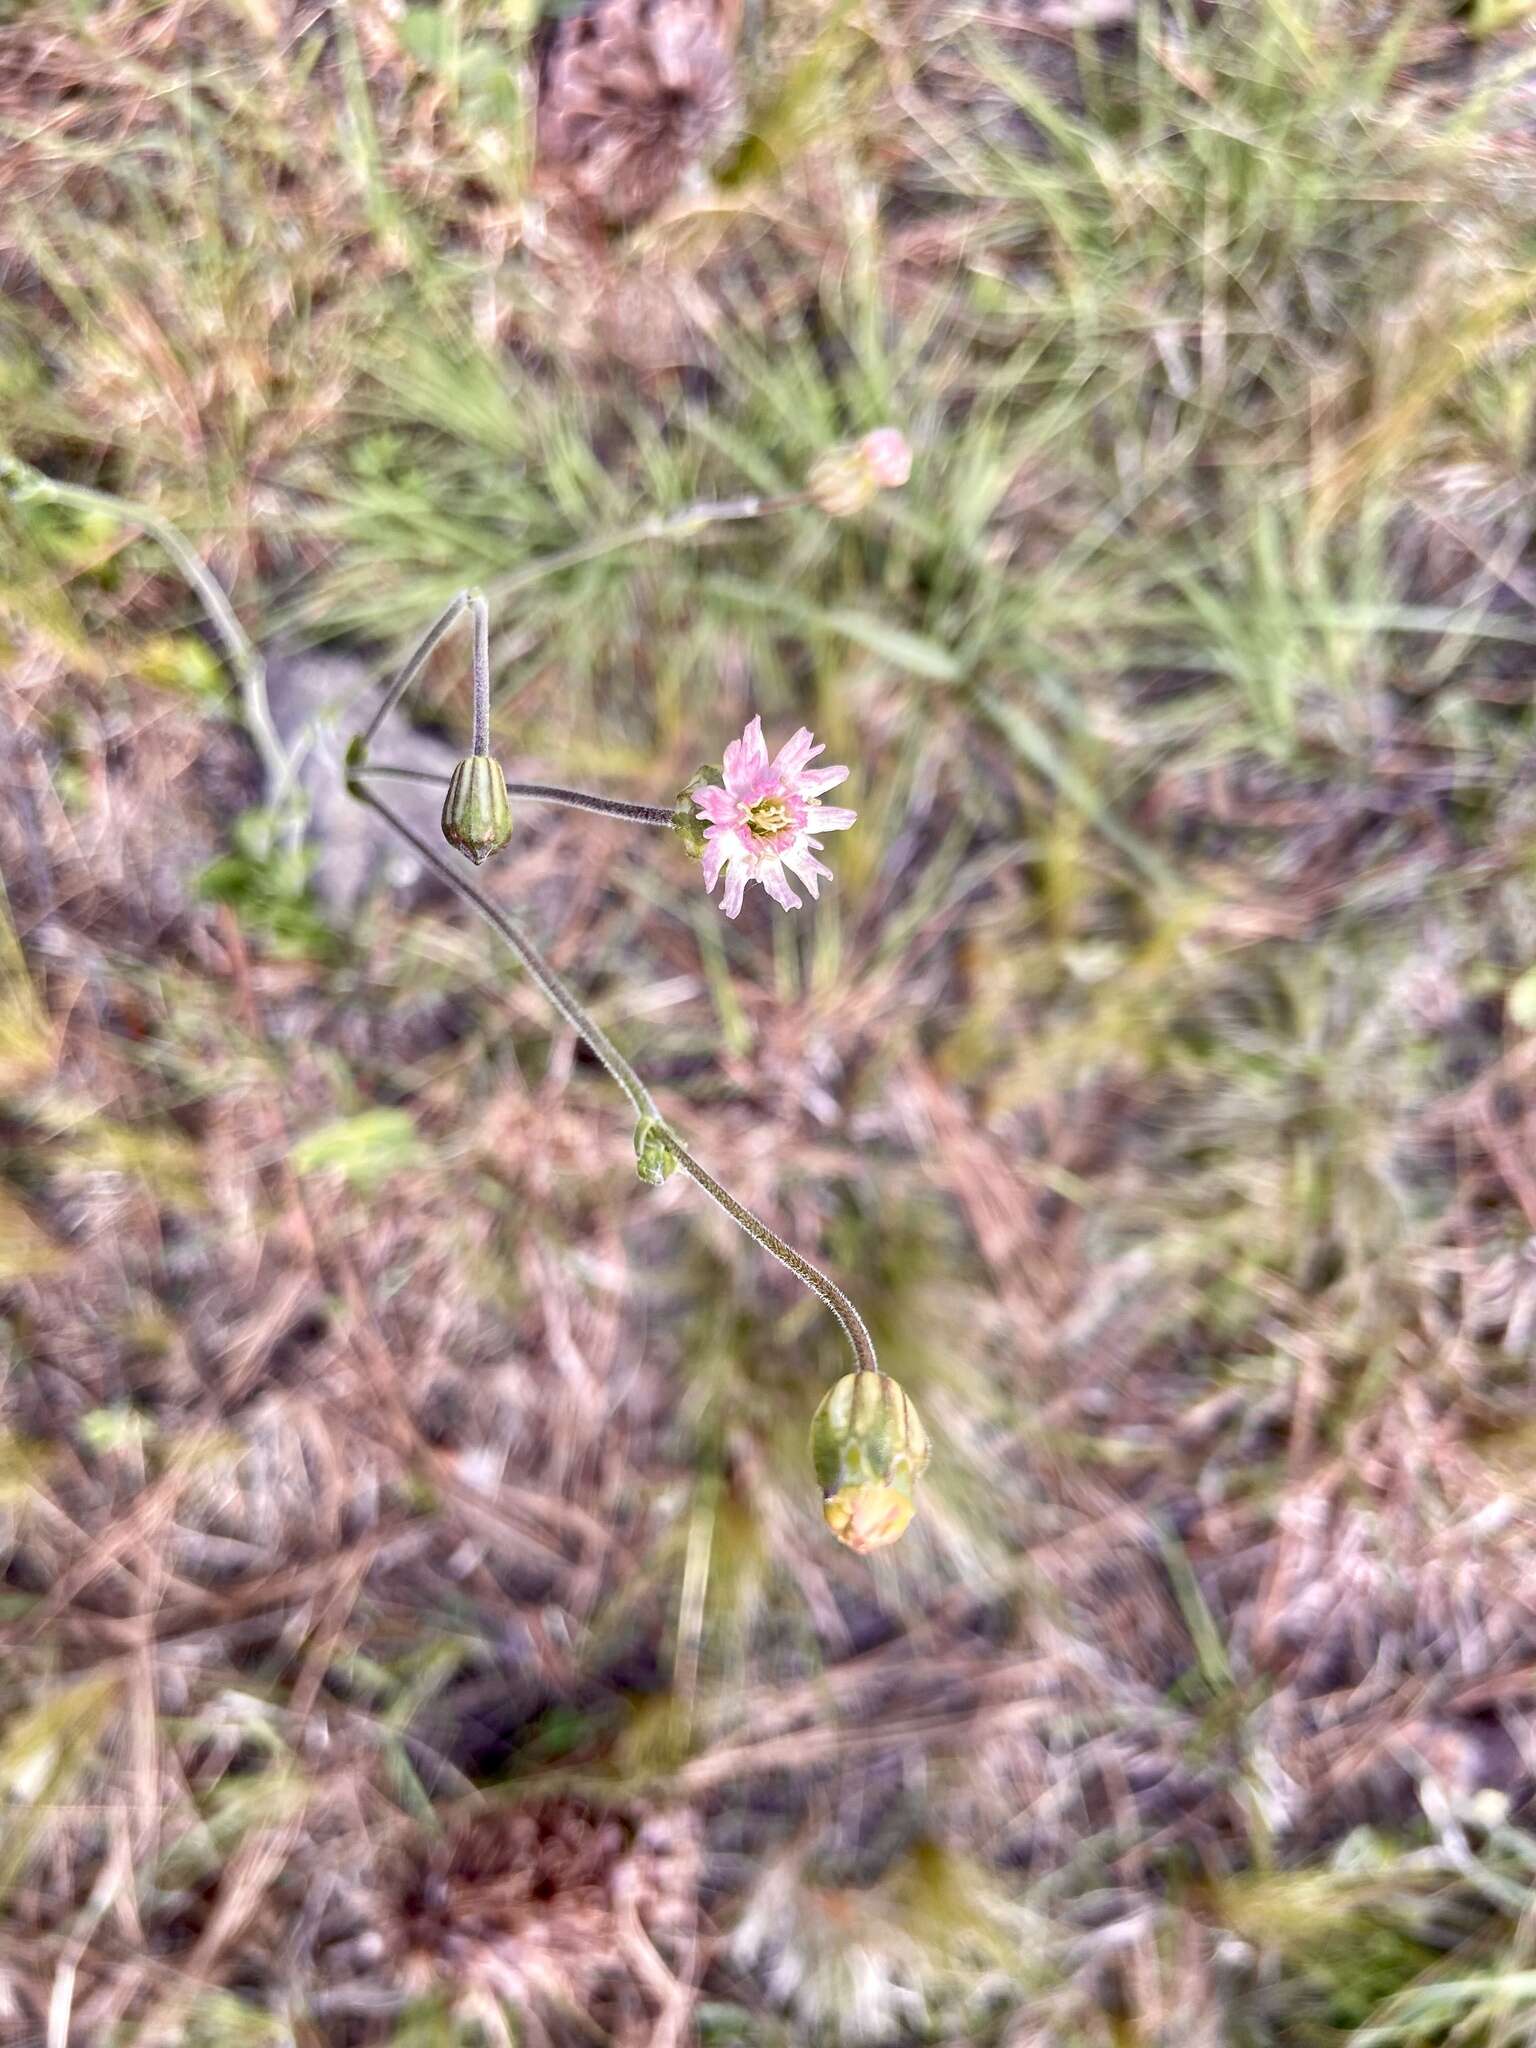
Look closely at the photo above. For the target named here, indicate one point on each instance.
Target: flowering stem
(827, 1291)
(22, 482)
(539, 792)
(578, 799)
(591, 1034)
(466, 600)
(398, 774)
(597, 1041)
(481, 743)
(667, 526)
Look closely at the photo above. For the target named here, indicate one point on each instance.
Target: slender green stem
(417, 662)
(540, 793)
(820, 1284)
(481, 744)
(398, 774)
(669, 526)
(826, 1290)
(605, 806)
(23, 482)
(592, 1034)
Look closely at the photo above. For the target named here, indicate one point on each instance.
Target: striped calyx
(477, 818)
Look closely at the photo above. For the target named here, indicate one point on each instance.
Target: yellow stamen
(768, 817)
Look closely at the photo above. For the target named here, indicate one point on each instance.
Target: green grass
(1156, 1075)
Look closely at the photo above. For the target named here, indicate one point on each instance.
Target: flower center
(768, 817)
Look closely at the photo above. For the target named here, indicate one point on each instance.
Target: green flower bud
(477, 818)
(655, 1161)
(686, 822)
(869, 1450)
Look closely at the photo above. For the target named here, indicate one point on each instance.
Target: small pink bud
(887, 457)
(844, 481)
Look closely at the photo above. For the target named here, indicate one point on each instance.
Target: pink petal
(776, 882)
(802, 862)
(719, 847)
(715, 805)
(829, 817)
(791, 758)
(812, 781)
(735, 889)
(745, 760)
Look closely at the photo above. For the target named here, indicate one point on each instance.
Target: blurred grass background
(419, 1625)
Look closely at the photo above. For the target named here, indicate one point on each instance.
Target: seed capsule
(477, 818)
(869, 1449)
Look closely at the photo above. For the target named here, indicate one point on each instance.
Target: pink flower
(760, 824)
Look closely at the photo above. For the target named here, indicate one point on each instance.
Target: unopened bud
(655, 1160)
(845, 480)
(887, 457)
(477, 818)
(869, 1450)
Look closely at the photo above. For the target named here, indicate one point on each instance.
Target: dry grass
(419, 1627)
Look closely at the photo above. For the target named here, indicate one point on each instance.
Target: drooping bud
(869, 1450)
(477, 818)
(686, 822)
(845, 480)
(655, 1160)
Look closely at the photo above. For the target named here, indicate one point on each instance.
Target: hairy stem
(591, 1034)
(395, 773)
(826, 1290)
(538, 792)
(580, 800)
(667, 526)
(820, 1284)
(417, 662)
(481, 743)
(22, 482)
